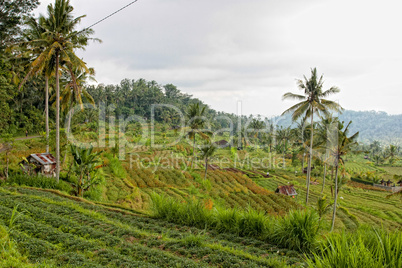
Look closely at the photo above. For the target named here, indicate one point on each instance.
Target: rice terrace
(226, 161)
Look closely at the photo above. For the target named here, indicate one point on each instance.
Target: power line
(105, 18)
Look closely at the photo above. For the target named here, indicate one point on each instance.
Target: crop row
(109, 238)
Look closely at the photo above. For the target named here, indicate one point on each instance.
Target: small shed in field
(288, 190)
(305, 169)
(44, 163)
(222, 144)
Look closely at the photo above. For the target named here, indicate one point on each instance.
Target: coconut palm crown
(312, 102)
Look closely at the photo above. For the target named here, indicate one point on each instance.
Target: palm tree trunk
(310, 156)
(47, 112)
(7, 165)
(192, 160)
(67, 131)
(323, 180)
(79, 186)
(336, 197)
(57, 119)
(206, 168)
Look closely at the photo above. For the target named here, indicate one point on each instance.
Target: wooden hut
(305, 169)
(44, 164)
(222, 144)
(288, 190)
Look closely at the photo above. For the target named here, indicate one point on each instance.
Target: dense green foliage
(67, 233)
(367, 247)
(38, 182)
(297, 230)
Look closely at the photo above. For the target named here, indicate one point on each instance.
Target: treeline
(20, 109)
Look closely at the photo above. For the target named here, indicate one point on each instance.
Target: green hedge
(38, 182)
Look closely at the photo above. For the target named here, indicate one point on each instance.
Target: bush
(297, 230)
(39, 182)
(365, 248)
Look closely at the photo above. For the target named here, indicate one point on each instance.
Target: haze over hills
(372, 125)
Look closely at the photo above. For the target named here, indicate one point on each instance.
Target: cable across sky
(110, 15)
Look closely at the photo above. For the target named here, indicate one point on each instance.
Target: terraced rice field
(77, 234)
(360, 206)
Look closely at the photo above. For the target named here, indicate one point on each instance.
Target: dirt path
(3, 148)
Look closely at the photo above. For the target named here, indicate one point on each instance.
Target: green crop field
(56, 230)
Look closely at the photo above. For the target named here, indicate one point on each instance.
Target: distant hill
(375, 126)
(372, 125)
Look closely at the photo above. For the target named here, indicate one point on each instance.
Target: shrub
(365, 248)
(297, 230)
(39, 182)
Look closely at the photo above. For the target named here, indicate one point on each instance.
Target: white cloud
(224, 51)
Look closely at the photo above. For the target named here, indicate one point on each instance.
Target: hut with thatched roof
(288, 190)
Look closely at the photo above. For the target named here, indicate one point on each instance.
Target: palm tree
(283, 135)
(392, 154)
(207, 151)
(312, 102)
(61, 40)
(299, 134)
(74, 91)
(36, 43)
(375, 148)
(340, 145)
(195, 115)
(327, 124)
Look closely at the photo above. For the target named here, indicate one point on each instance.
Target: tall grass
(366, 247)
(38, 181)
(297, 231)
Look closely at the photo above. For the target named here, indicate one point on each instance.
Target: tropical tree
(322, 208)
(61, 41)
(7, 140)
(35, 43)
(207, 151)
(12, 13)
(327, 124)
(85, 166)
(312, 102)
(392, 152)
(74, 91)
(195, 114)
(375, 148)
(340, 145)
(284, 135)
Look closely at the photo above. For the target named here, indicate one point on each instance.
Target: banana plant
(85, 166)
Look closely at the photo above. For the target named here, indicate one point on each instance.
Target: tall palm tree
(195, 114)
(35, 42)
(74, 91)
(327, 124)
(62, 40)
(312, 102)
(392, 152)
(284, 135)
(207, 151)
(340, 145)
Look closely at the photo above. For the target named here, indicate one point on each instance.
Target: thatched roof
(286, 190)
(222, 143)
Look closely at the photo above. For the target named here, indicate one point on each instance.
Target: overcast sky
(223, 51)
